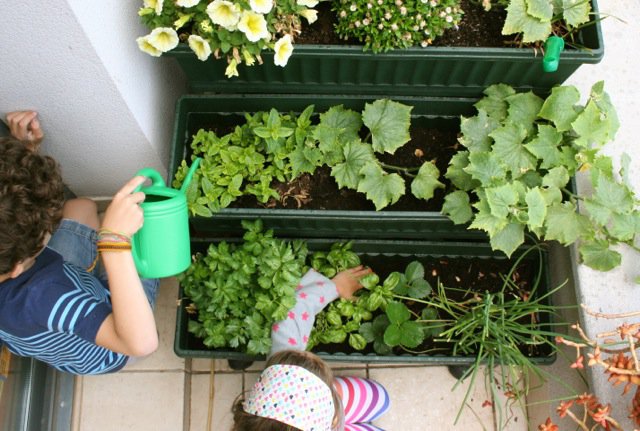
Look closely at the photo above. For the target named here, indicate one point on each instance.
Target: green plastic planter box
(431, 71)
(196, 111)
(188, 346)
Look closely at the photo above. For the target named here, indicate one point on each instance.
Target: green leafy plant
(236, 30)
(272, 147)
(536, 20)
(247, 160)
(513, 176)
(239, 291)
(382, 25)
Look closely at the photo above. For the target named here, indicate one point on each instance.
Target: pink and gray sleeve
(313, 293)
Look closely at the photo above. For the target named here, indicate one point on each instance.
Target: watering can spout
(189, 177)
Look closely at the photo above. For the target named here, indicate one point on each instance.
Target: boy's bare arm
(25, 126)
(131, 328)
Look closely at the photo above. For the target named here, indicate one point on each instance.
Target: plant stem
(400, 169)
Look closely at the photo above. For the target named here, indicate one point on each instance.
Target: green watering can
(161, 248)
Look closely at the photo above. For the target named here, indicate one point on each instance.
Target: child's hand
(348, 281)
(24, 125)
(124, 215)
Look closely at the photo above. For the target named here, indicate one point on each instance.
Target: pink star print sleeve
(314, 292)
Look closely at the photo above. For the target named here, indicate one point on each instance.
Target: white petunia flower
(163, 38)
(187, 3)
(261, 6)
(310, 14)
(224, 13)
(145, 46)
(283, 49)
(156, 5)
(307, 3)
(254, 26)
(200, 46)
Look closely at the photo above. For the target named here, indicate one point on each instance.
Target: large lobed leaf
(389, 123)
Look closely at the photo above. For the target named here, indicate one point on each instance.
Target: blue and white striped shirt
(52, 312)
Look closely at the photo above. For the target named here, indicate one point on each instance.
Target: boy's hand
(24, 125)
(348, 281)
(124, 215)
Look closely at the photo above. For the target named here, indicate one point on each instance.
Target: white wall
(107, 108)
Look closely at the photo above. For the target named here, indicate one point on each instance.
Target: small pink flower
(305, 316)
(320, 283)
(299, 286)
(303, 295)
(578, 363)
(292, 315)
(322, 300)
(305, 339)
(275, 327)
(292, 341)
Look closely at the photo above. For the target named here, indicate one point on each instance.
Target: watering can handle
(189, 176)
(153, 175)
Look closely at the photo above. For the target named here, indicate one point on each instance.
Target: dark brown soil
(478, 28)
(320, 191)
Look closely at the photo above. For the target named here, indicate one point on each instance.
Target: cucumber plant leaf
(457, 207)
(389, 123)
(380, 187)
(426, 181)
(356, 156)
(518, 20)
(476, 130)
(598, 255)
(576, 12)
(560, 107)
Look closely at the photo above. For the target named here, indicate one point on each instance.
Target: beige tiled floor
(167, 393)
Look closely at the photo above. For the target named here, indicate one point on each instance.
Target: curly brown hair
(244, 421)
(31, 200)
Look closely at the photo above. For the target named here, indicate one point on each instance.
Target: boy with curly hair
(59, 302)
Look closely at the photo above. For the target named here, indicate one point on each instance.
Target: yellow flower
(232, 69)
(156, 5)
(254, 26)
(200, 46)
(224, 13)
(307, 3)
(187, 3)
(145, 46)
(163, 38)
(283, 49)
(310, 14)
(261, 6)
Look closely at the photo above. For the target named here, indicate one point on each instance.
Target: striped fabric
(361, 427)
(363, 400)
(54, 313)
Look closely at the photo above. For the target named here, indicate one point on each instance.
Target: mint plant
(536, 20)
(382, 25)
(239, 291)
(513, 177)
(271, 146)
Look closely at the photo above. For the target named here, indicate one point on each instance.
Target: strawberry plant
(513, 175)
(239, 291)
(271, 147)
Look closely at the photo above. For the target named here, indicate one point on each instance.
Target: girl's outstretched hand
(348, 281)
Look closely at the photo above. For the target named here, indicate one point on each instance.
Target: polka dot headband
(292, 395)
